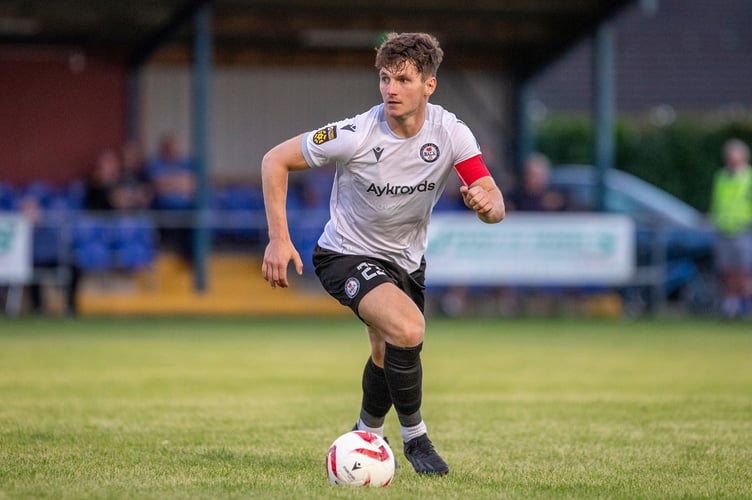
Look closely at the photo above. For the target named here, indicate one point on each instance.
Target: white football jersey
(386, 186)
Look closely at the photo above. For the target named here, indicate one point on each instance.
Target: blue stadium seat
(133, 242)
(59, 202)
(47, 244)
(91, 241)
(134, 257)
(129, 229)
(8, 197)
(243, 198)
(88, 229)
(449, 202)
(42, 191)
(305, 240)
(295, 199)
(236, 212)
(93, 256)
(306, 226)
(75, 192)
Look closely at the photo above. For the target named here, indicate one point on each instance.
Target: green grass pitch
(211, 408)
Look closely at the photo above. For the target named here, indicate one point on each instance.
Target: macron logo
(392, 190)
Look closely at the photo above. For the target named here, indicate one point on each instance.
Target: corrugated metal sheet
(693, 55)
(254, 108)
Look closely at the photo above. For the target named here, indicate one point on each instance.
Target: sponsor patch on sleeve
(325, 134)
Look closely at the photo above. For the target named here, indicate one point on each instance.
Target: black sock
(376, 398)
(404, 374)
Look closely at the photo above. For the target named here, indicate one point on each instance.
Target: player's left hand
(477, 199)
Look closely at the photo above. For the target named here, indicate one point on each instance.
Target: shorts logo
(352, 287)
(325, 134)
(429, 152)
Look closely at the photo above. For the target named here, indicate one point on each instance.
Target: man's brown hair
(421, 49)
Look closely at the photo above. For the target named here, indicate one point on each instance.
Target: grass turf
(190, 408)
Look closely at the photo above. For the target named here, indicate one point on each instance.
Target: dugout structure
(505, 41)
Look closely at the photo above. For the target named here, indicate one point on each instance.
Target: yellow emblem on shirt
(325, 134)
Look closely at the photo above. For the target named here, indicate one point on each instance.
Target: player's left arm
(484, 197)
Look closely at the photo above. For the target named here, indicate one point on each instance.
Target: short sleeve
(333, 143)
(464, 143)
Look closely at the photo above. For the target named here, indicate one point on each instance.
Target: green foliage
(239, 408)
(681, 157)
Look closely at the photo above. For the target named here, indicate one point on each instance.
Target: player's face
(405, 91)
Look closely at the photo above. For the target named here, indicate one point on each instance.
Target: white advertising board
(15, 249)
(531, 249)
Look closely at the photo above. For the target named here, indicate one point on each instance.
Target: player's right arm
(277, 164)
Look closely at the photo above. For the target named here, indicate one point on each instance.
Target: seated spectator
(534, 194)
(174, 181)
(133, 190)
(100, 185)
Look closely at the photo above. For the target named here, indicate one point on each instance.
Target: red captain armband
(471, 170)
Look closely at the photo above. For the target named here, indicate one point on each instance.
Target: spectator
(48, 254)
(133, 190)
(174, 183)
(731, 211)
(101, 183)
(172, 176)
(534, 194)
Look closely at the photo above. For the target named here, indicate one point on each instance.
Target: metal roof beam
(180, 18)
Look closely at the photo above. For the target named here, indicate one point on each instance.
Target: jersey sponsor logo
(350, 127)
(377, 152)
(429, 152)
(398, 190)
(325, 134)
(352, 287)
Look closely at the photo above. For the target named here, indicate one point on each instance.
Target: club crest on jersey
(429, 152)
(352, 287)
(325, 134)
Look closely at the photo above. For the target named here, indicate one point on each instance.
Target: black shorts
(349, 278)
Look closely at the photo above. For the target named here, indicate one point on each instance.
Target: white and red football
(360, 458)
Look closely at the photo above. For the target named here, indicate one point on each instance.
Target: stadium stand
(235, 288)
(122, 250)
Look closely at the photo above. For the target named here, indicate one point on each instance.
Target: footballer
(392, 164)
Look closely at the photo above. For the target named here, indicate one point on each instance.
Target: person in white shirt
(392, 164)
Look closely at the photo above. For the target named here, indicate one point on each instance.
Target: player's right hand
(277, 257)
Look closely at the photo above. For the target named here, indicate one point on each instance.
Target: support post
(202, 71)
(604, 107)
(132, 104)
(524, 125)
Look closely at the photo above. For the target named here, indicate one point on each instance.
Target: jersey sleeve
(464, 144)
(330, 144)
(468, 162)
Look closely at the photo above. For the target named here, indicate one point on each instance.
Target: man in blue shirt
(174, 181)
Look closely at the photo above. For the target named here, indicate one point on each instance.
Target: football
(360, 458)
